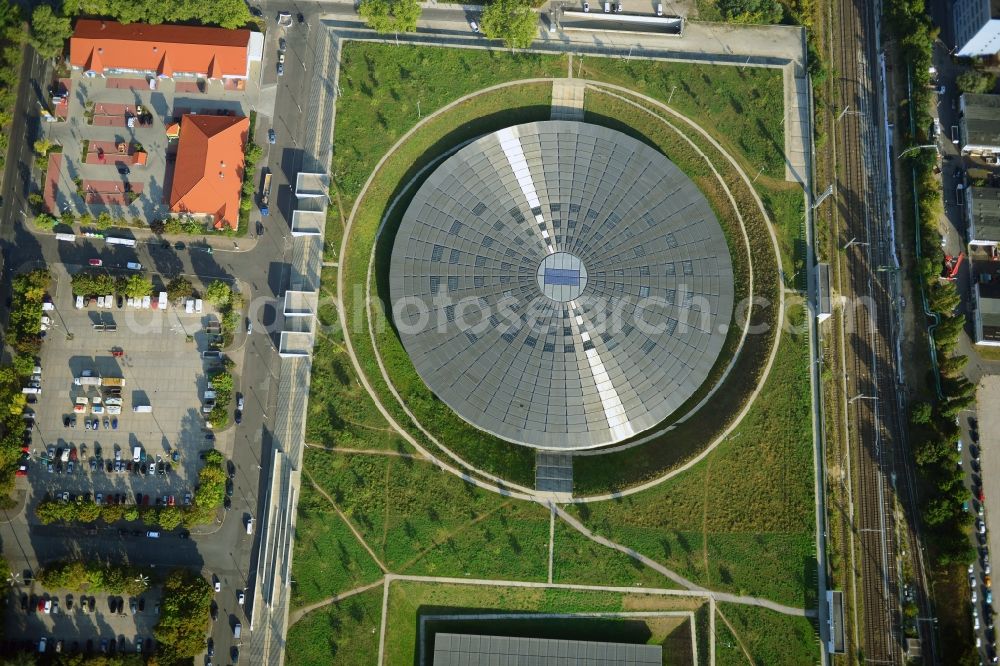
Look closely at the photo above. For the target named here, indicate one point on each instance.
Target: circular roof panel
(561, 285)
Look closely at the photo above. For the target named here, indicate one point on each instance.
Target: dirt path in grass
(736, 636)
(357, 535)
(298, 613)
(458, 530)
(680, 580)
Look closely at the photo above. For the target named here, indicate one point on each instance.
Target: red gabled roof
(208, 172)
(164, 49)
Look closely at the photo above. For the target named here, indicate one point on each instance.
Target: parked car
(95, 262)
(474, 26)
(134, 266)
(271, 138)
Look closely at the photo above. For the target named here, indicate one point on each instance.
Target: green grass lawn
(408, 600)
(742, 519)
(346, 633)
(423, 521)
(741, 107)
(328, 558)
(575, 558)
(772, 638)
(340, 412)
(381, 86)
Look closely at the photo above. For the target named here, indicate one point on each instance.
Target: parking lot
(89, 622)
(157, 356)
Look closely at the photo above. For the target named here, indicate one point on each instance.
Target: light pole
(861, 396)
(671, 95)
(854, 241)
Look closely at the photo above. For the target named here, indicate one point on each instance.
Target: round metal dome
(561, 285)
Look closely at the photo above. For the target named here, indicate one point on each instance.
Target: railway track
(876, 432)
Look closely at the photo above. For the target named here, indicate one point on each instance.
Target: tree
(49, 31)
(179, 287)
(170, 517)
(513, 21)
(45, 221)
(219, 294)
(136, 286)
(184, 617)
(42, 146)
(975, 81)
(750, 11)
(376, 15)
(920, 413)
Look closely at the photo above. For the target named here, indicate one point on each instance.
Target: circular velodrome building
(561, 285)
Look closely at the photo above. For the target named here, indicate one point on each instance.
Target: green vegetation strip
(408, 600)
(340, 412)
(615, 471)
(328, 558)
(769, 637)
(342, 633)
(423, 521)
(740, 520)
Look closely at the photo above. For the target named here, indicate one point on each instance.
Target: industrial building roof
(100, 46)
(985, 214)
(208, 172)
(561, 285)
(981, 120)
(477, 650)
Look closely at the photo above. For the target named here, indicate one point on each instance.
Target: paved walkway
(567, 99)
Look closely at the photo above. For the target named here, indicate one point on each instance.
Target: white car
(218, 585)
(249, 327)
(586, 6)
(474, 26)
(133, 266)
(980, 526)
(240, 597)
(975, 597)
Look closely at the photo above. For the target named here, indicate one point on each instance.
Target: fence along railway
(876, 430)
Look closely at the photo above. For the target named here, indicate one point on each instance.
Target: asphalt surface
(227, 551)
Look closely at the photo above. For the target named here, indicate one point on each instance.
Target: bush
(179, 287)
(93, 577)
(975, 81)
(92, 282)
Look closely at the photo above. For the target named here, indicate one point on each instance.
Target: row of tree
(91, 577)
(208, 496)
(50, 28)
(24, 335)
(934, 430)
(95, 282)
(11, 54)
(184, 616)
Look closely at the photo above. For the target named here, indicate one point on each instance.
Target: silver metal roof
(561, 285)
(479, 650)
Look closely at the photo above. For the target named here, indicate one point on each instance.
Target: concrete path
(567, 99)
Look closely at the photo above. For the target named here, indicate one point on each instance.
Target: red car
(96, 262)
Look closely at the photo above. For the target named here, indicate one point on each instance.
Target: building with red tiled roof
(100, 47)
(208, 171)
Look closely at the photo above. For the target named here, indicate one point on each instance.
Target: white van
(237, 630)
(136, 453)
(607, 7)
(142, 409)
(79, 302)
(659, 10)
(250, 525)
